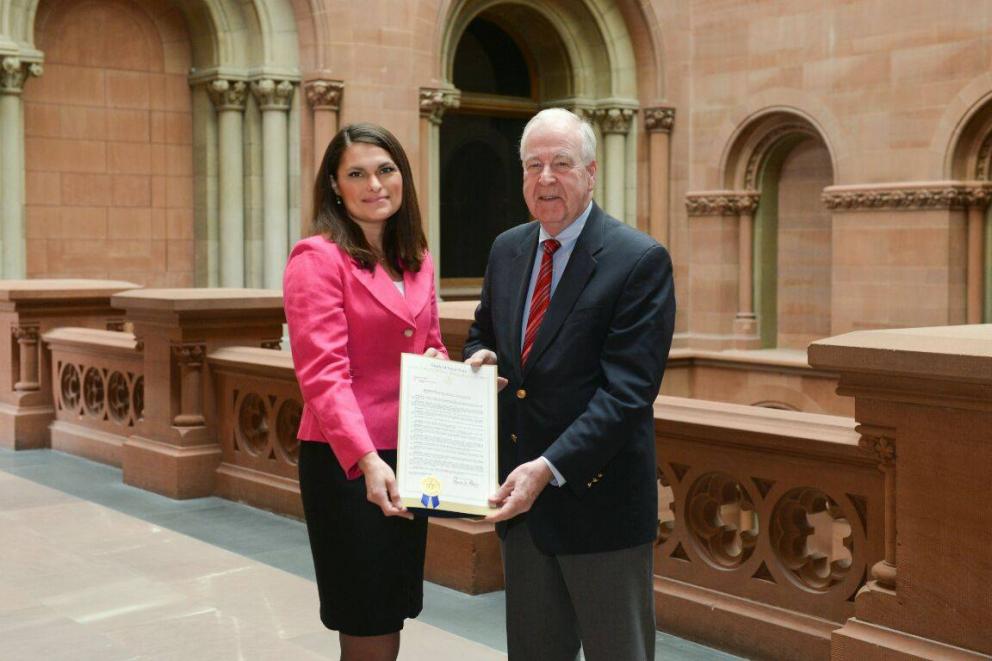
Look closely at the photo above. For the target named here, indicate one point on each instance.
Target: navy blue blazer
(585, 398)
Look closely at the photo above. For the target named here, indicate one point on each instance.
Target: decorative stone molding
(434, 102)
(660, 119)
(614, 120)
(880, 443)
(14, 73)
(324, 94)
(272, 94)
(912, 196)
(721, 203)
(228, 94)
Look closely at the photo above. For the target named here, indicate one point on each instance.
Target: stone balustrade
(98, 390)
(30, 308)
(781, 534)
(768, 523)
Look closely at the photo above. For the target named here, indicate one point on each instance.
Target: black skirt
(370, 567)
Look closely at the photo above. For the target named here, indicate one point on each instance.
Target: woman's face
(369, 183)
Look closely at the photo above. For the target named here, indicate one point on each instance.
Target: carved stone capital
(908, 196)
(14, 73)
(189, 355)
(614, 120)
(880, 442)
(660, 119)
(324, 94)
(228, 94)
(721, 203)
(25, 333)
(434, 102)
(272, 94)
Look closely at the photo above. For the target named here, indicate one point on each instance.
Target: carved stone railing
(259, 409)
(923, 401)
(99, 391)
(29, 308)
(768, 523)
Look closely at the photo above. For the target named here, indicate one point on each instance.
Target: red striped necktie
(539, 301)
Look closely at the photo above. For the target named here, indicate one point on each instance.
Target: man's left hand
(521, 489)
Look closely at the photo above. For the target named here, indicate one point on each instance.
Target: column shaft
(615, 167)
(12, 184)
(275, 150)
(232, 199)
(745, 267)
(976, 275)
(658, 203)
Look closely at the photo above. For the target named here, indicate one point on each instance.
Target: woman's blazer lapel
(406, 306)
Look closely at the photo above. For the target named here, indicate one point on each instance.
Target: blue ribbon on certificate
(430, 501)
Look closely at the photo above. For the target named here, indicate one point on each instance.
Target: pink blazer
(347, 328)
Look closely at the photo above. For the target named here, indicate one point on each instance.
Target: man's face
(557, 186)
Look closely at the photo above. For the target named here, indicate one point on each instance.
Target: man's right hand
(486, 357)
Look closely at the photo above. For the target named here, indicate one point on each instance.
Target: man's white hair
(559, 116)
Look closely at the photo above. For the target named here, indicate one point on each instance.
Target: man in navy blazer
(577, 311)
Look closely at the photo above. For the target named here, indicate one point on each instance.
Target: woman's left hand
(434, 353)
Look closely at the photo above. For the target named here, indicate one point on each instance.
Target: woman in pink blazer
(357, 295)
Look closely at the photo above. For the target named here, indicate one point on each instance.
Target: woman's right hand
(380, 485)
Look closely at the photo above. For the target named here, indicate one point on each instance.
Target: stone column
(615, 124)
(27, 354)
(881, 443)
(274, 98)
(324, 97)
(977, 198)
(433, 103)
(745, 323)
(658, 122)
(228, 97)
(13, 74)
(189, 357)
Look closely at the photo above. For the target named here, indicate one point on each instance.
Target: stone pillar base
(862, 641)
(746, 333)
(738, 625)
(174, 471)
(88, 443)
(269, 492)
(463, 555)
(25, 427)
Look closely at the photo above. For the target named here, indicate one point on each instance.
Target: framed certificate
(446, 450)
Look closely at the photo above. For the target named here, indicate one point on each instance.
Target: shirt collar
(570, 233)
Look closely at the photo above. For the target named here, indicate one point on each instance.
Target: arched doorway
(971, 161)
(480, 167)
(507, 60)
(784, 158)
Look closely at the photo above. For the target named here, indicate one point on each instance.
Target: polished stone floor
(93, 569)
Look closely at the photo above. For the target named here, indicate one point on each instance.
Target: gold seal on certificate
(446, 450)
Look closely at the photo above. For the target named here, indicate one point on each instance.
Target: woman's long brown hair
(403, 240)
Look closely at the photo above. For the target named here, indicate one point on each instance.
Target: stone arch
(582, 57)
(780, 154)
(226, 33)
(245, 65)
(969, 158)
(592, 32)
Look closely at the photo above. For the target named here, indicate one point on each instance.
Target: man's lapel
(521, 266)
(580, 267)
